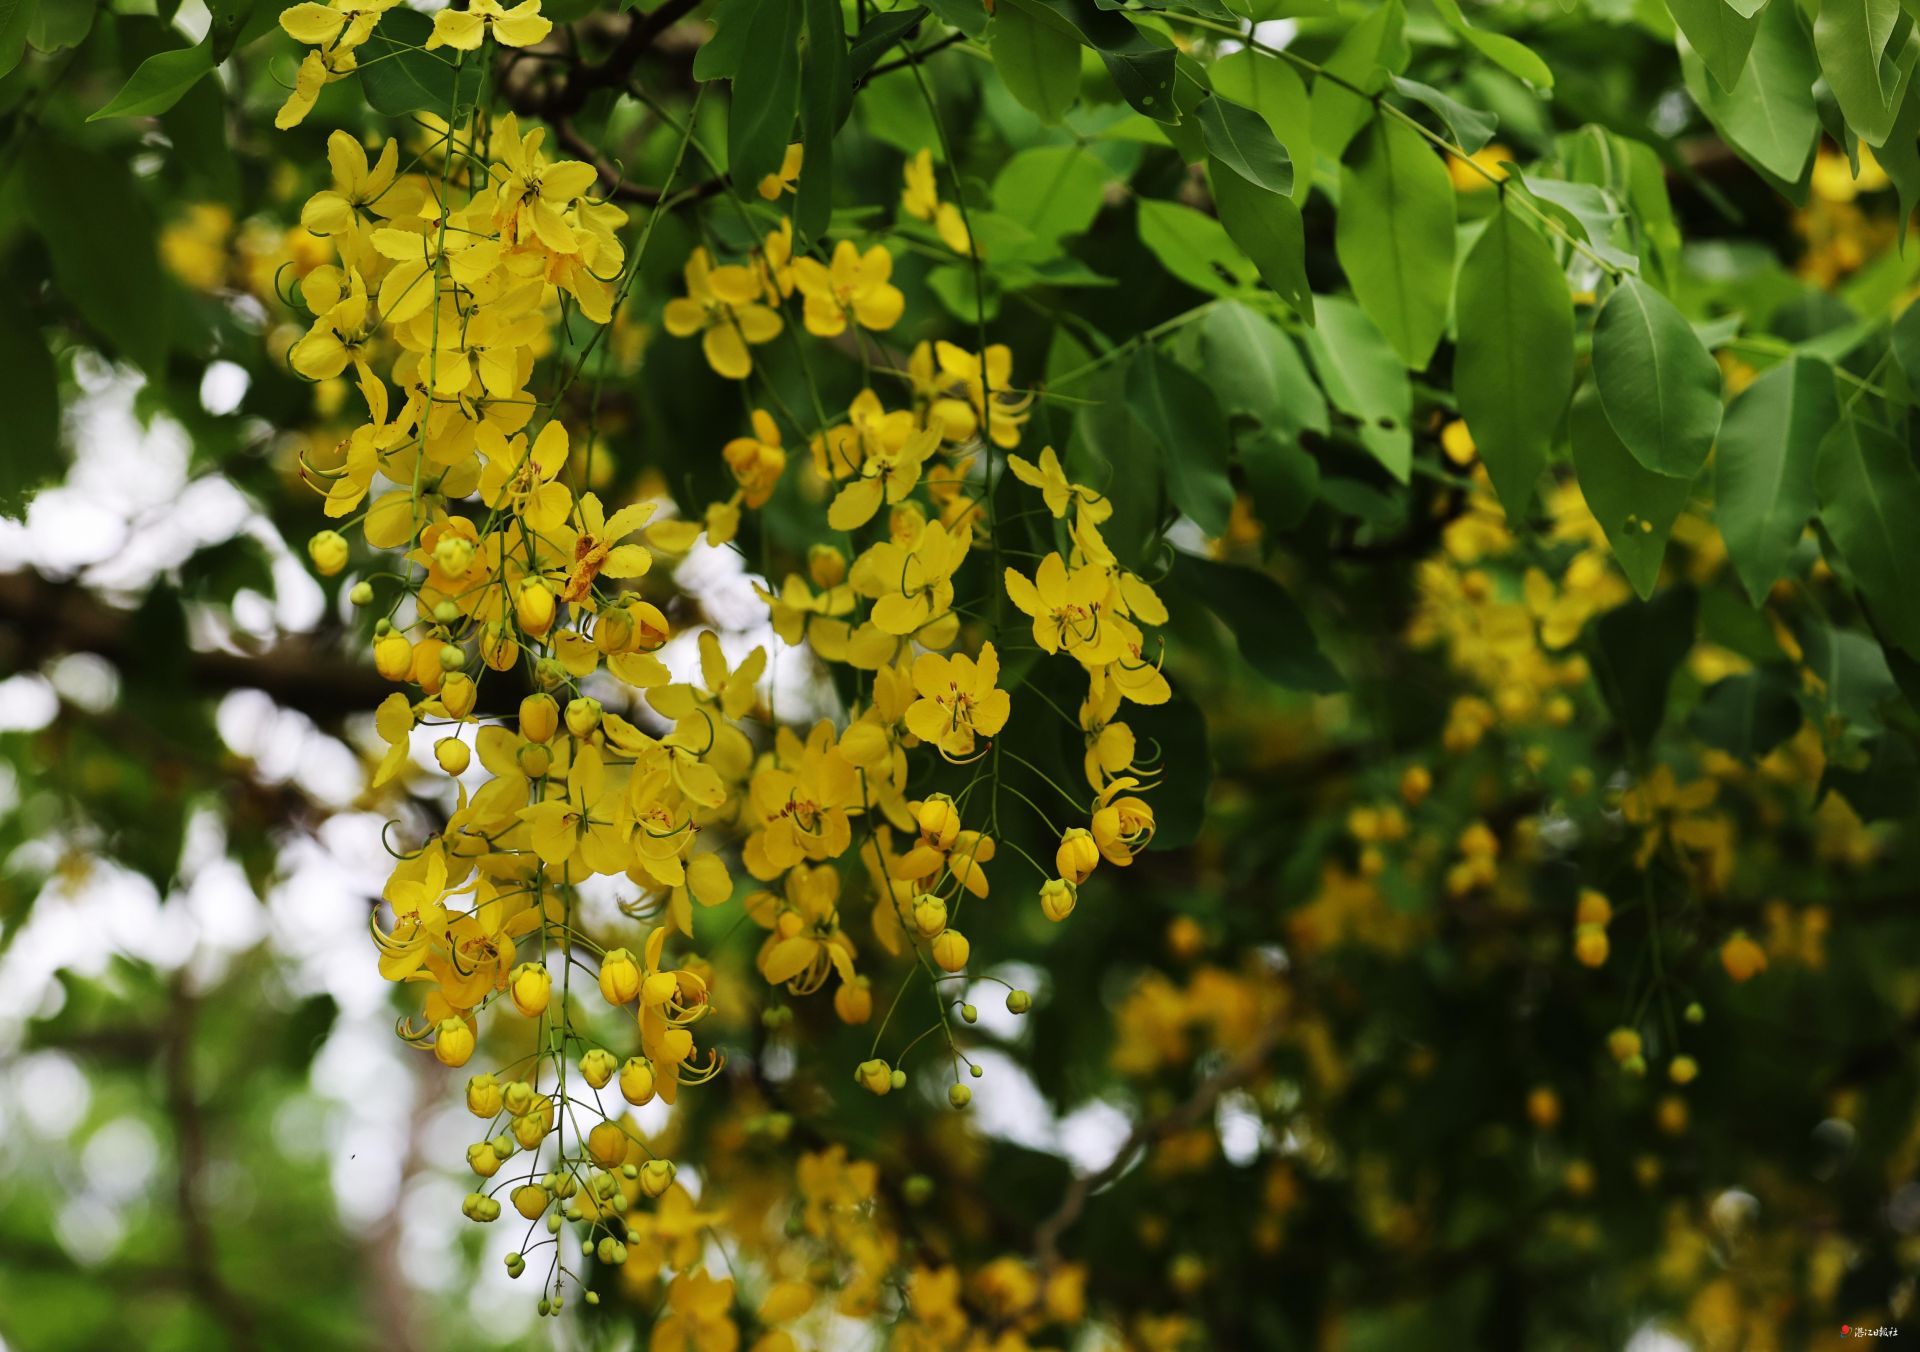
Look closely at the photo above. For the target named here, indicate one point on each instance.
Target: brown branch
(616, 182)
(1046, 1239)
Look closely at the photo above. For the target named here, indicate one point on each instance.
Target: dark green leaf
(1634, 506)
(100, 232)
(1768, 114)
(1471, 128)
(1240, 139)
(1870, 503)
(878, 37)
(398, 76)
(1142, 69)
(1273, 89)
(1269, 627)
(1395, 236)
(1268, 229)
(16, 17)
(1039, 59)
(826, 94)
(30, 393)
(1256, 371)
(1720, 33)
(1364, 379)
(765, 89)
(1513, 368)
(1763, 469)
(1178, 411)
(1747, 715)
(1659, 384)
(1637, 648)
(158, 83)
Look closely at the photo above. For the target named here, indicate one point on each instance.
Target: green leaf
(1768, 114)
(1764, 464)
(1180, 795)
(1592, 212)
(57, 25)
(1275, 90)
(1905, 338)
(1869, 503)
(826, 94)
(1513, 366)
(1395, 236)
(1372, 50)
(100, 232)
(231, 25)
(30, 392)
(1867, 58)
(1053, 191)
(1039, 61)
(1178, 411)
(16, 17)
(1637, 648)
(1635, 507)
(1240, 139)
(1510, 54)
(1721, 34)
(1471, 128)
(875, 40)
(1255, 370)
(1747, 715)
(398, 76)
(1659, 384)
(1266, 623)
(1365, 380)
(1268, 229)
(158, 83)
(1194, 247)
(1142, 69)
(1283, 479)
(765, 90)
(719, 56)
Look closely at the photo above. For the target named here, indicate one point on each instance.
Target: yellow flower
(1057, 490)
(1066, 609)
(920, 198)
(597, 548)
(988, 386)
(757, 461)
(464, 29)
(912, 584)
(885, 475)
(1122, 822)
(806, 943)
(722, 305)
(855, 283)
(535, 195)
(958, 699)
(772, 185)
(355, 186)
(520, 480)
(584, 822)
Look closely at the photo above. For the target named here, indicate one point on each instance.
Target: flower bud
(951, 950)
(656, 1176)
(483, 1160)
(1590, 946)
(619, 977)
(898, 1079)
(535, 760)
(518, 1097)
(939, 820)
(539, 717)
(457, 695)
(393, 657)
(483, 1096)
(1058, 898)
(583, 716)
(362, 594)
(959, 1095)
(929, 914)
(453, 755)
(499, 649)
(853, 1001)
(874, 1076)
(1683, 1070)
(1077, 855)
(611, 1252)
(1695, 1012)
(607, 1143)
(480, 1207)
(826, 565)
(613, 631)
(1018, 1002)
(598, 1067)
(917, 1189)
(529, 1129)
(328, 550)
(453, 1042)
(969, 1013)
(515, 1265)
(533, 607)
(453, 554)
(531, 986)
(549, 674)
(446, 613)
(636, 1081)
(451, 657)
(531, 1200)
(1623, 1043)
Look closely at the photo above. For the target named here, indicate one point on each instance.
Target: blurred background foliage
(1340, 1008)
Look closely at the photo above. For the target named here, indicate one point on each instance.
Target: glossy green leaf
(1365, 380)
(1764, 465)
(30, 392)
(1194, 247)
(1142, 69)
(1768, 114)
(766, 89)
(1635, 507)
(1637, 648)
(1039, 61)
(826, 93)
(1513, 368)
(398, 76)
(1178, 411)
(1870, 503)
(1471, 129)
(1268, 625)
(1510, 54)
(1268, 228)
(1659, 384)
(158, 83)
(100, 232)
(1053, 191)
(1372, 50)
(1395, 236)
(1240, 139)
(1721, 34)
(1275, 90)
(1867, 56)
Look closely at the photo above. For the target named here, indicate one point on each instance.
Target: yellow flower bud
(1592, 908)
(929, 914)
(453, 1042)
(1058, 898)
(454, 554)
(539, 717)
(1415, 784)
(1683, 1070)
(518, 1097)
(1671, 1115)
(619, 977)
(959, 1095)
(583, 716)
(875, 1076)
(535, 760)
(457, 695)
(939, 821)
(499, 649)
(1077, 855)
(598, 1067)
(1590, 945)
(1543, 1107)
(1623, 1043)
(636, 1081)
(1018, 1002)
(607, 1143)
(531, 1200)
(480, 1207)
(611, 1253)
(453, 755)
(613, 631)
(393, 657)
(534, 606)
(529, 1129)
(531, 986)
(483, 1096)
(1742, 957)
(853, 1001)
(951, 949)
(826, 565)
(656, 1176)
(483, 1160)
(328, 550)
